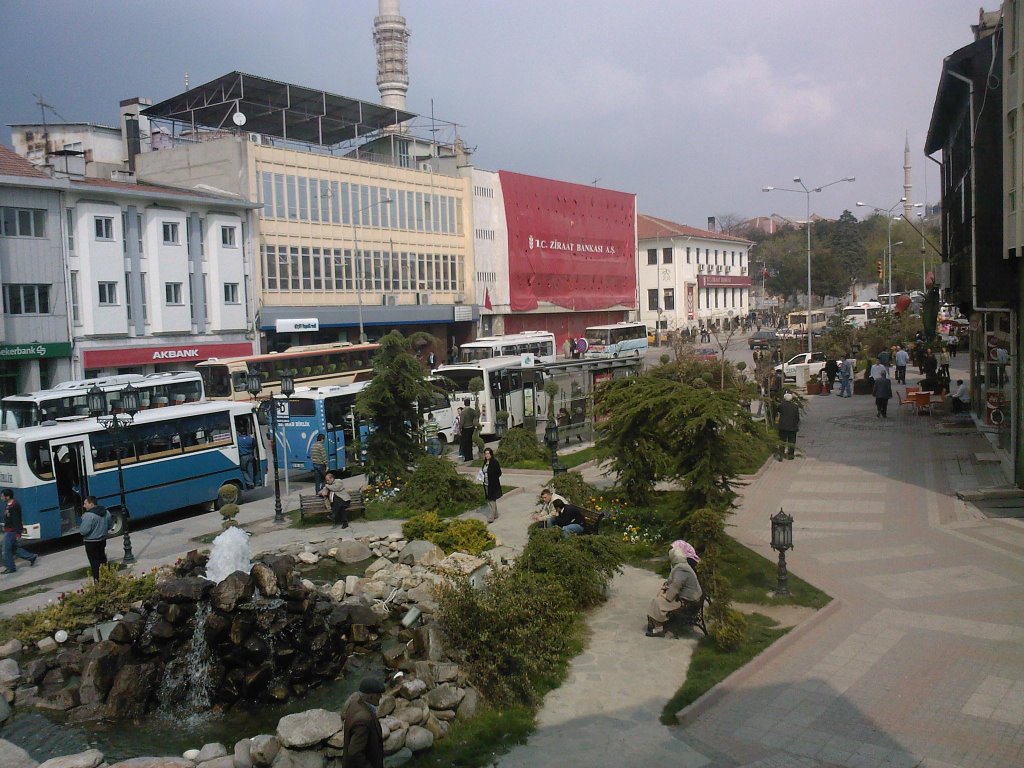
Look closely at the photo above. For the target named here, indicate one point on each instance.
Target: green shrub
(457, 535)
(704, 527)
(519, 445)
(509, 635)
(729, 630)
(435, 485)
(113, 593)
(422, 526)
(573, 487)
(583, 565)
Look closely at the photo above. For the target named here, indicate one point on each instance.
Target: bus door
(334, 421)
(71, 480)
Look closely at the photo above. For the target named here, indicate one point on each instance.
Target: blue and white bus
(330, 411)
(618, 340)
(171, 458)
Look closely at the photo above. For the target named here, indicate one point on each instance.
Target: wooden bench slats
(316, 505)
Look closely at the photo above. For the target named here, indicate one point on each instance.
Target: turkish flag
(487, 299)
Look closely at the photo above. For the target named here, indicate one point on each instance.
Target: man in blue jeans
(568, 517)
(13, 528)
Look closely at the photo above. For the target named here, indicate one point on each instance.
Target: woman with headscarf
(681, 588)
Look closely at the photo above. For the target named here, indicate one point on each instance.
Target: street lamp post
(287, 389)
(117, 424)
(782, 539)
(359, 261)
(890, 219)
(806, 191)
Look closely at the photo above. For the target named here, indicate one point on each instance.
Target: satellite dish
(238, 119)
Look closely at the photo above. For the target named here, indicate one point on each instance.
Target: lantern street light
(782, 539)
(805, 190)
(116, 423)
(287, 379)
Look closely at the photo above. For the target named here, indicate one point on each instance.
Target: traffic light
(878, 266)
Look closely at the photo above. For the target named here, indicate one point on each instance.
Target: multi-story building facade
(35, 348)
(551, 255)
(362, 227)
(689, 277)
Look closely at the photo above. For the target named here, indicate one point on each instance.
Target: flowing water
(229, 553)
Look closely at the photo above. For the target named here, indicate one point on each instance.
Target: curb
(711, 697)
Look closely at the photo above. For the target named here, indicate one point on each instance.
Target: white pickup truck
(812, 364)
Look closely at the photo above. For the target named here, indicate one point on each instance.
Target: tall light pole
(887, 212)
(117, 424)
(806, 191)
(359, 261)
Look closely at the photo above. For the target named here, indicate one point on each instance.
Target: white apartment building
(690, 277)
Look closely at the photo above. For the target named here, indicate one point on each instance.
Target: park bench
(310, 504)
(693, 615)
(592, 521)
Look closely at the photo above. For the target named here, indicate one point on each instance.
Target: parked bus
(316, 365)
(502, 388)
(70, 399)
(331, 411)
(618, 340)
(797, 321)
(171, 458)
(540, 343)
(862, 313)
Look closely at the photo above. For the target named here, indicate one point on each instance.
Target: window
(172, 293)
(670, 299)
(69, 225)
(172, 234)
(104, 227)
(652, 255)
(145, 300)
(652, 298)
(666, 256)
(76, 310)
(128, 294)
(227, 237)
(22, 222)
(26, 299)
(687, 254)
(108, 294)
(138, 223)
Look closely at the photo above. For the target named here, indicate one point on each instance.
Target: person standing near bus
(430, 431)
(247, 458)
(318, 455)
(13, 528)
(95, 526)
(469, 422)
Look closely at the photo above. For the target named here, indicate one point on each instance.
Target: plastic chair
(909, 402)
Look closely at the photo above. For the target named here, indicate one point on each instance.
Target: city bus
(862, 313)
(70, 399)
(618, 340)
(315, 365)
(797, 321)
(502, 388)
(171, 458)
(331, 411)
(540, 343)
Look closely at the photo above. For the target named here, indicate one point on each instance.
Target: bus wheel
(117, 525)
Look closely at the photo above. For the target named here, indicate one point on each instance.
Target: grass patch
(576, 458)
(761, 446)
(709, 666)
(753, 578)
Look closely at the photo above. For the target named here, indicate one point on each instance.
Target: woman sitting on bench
(680, 590)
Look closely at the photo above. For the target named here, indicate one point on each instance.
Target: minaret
(908, 205)
(391, 38)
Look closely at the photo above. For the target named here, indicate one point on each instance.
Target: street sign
(282, 411)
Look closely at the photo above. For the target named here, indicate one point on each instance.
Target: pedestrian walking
(882, 390)
(469, 422)
(902, 359)
(490, 476)
(954, 343)
(318, 456)
(573, 348)
(13, 530)
(567, 349)
(789, 425)
(247, 458)
(337, 499)
(430, 432)
(364, 739)
(831, 372)
(96, 524)
(944, 364)
(457, 431)
(846, 375)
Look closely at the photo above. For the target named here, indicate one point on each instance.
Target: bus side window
(40, 459)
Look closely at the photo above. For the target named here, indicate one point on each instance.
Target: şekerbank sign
(175, 353)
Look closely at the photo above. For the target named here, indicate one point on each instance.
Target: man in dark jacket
(13, 528)
(95, 526)
(882, 391)
(364, 740)
(789, 425)
(569, 518)
(470, 417)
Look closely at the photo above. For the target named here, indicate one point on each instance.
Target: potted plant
(501, 423)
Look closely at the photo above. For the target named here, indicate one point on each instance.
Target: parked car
(787, 333)
(812, 362)
(763, 340)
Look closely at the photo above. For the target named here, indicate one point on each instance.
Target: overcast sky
(694, 106)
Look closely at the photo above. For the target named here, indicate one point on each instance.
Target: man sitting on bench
(337, 498)
(680, 590)
(569, 518)
(546, 514)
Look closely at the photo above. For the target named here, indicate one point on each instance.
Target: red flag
(487, 299)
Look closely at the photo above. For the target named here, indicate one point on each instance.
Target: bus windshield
(459, 377)
(597, 336)
(216, 380)
(18, 414)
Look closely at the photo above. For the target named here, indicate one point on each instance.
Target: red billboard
(569, 245)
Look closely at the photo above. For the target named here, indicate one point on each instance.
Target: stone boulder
(445, 697)
(225, 761)
(187, 590)
(211, 751)
(13, 756)
(418, 739)
(5, 710)
(401, 757)
(241, 756)
(10, 672)
(263, 749)
(377, 565)
(306, 729)
(154, 762)
(308, 558)
(265, 579)
(337, 591)
(128, 629)
(470, 704)
(282, 566)
(99, 668)
(351, 551)
(88, 759)
(395, 741)
(46, 645)
(236, 588)
(60, 700)
(420, 553)
(10, 648)
(412, 688)
(305, 758)
(130, 691)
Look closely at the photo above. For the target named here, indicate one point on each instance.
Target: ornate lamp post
(782, 539)
(117, 424)
(287, 389)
